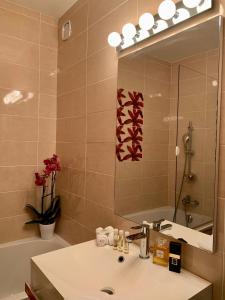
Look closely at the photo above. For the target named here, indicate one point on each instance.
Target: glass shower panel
(196, 134)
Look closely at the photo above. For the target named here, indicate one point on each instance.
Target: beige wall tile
(73, 78)
(19, 26)
(45, 150)
(98, 9)
(18, 128)
(17, 229)
(94, 216)
(101, 65)
(48, 82)
(13, 203)
(104, 194)
(100, 158)
(19, 52)
(72, 154)
(47, 106)
(49, 19)
(26, 105)
(49, 35)
(17, 77)
(73, 232)
(11, 179)
(72, 104)
(71, 130)
(101, 127)
(48, 59)
(76, 182)
(20, 9)
(72, 51)
(13, 153)
(102, 96)
(47, 130)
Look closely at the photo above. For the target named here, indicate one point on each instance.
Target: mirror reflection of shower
(187, 176)
(187, 140)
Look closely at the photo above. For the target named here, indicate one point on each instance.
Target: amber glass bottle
(161, 252)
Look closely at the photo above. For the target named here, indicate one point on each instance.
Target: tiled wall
(28, 76)
(86, 127)
(143, 185)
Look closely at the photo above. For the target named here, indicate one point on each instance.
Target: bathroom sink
(86, 272)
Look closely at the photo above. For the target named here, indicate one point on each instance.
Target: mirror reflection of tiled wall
(150, 182)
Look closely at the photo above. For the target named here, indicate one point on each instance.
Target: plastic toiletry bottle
(161, 252)
(115, 239)
(101, 237)
(126, 243)
(111, 238)
(98, 231)
(120, 241)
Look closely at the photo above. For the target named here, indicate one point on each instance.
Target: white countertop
(81, 271)
(193, 237)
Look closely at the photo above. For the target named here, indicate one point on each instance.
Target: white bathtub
(166, 212)
(15, 264)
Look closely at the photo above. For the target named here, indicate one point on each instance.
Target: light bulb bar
(169, 14)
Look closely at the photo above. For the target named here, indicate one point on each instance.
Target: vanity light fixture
(169, 14)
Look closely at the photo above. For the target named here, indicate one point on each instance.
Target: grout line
(20, 13)
(27, 41)
(86, 103)
(107, 14)
(39, 95)
(16, 191)
(27, 117)
(88, 85)
(17, 166)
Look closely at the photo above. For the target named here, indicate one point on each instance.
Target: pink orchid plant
(43, 179)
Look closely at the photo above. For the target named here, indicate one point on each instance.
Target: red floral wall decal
(129, 125)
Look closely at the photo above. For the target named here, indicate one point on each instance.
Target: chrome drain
(108, 290)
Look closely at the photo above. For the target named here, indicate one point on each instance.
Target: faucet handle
(136, 227)
(157, 224)
(144, 225)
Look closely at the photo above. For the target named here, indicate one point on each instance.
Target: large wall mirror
(167, 134)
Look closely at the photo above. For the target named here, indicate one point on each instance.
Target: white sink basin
(80, 273)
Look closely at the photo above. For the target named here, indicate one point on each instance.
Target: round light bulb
(129, 30)
(114, 39)
(167, 9)
(142, 35)
(191, 3)
(204, 6)
(160, 26)
(181, 15)
(146, 21)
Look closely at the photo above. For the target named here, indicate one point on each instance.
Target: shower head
(186, 139)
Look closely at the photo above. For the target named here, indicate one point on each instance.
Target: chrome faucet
(156, 225)
(144, 236)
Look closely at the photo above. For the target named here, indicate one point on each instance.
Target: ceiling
(54, 8)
